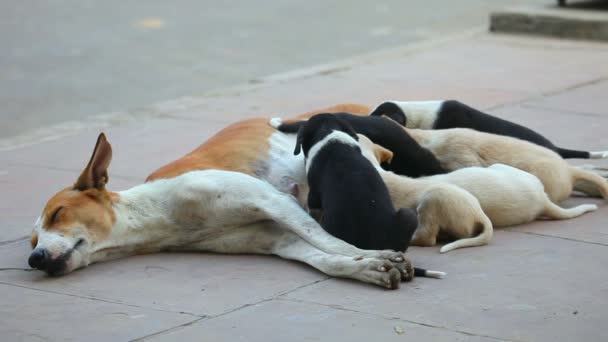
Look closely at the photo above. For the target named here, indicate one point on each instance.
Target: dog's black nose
(39, 259)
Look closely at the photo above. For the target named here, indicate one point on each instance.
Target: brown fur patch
(90, 208)
(238, 146)
(234, 148)
(34, 239)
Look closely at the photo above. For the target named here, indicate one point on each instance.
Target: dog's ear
(392, 111)
(95, 175)
(299, 141)
(347, 128)
(383, 155)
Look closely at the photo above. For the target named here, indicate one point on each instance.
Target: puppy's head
(392, 111)
(318, 127)
(375, 153)
(75, 219)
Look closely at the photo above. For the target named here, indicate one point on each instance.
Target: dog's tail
(291, 127)
(589, 182)
(421, 272)
(484, 231)
(571, 154)
(556, 212)
(576, 154)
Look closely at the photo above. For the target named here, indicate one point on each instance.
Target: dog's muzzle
(41, 259)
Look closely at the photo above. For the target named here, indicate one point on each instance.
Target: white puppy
(508, 196)
(443, 209)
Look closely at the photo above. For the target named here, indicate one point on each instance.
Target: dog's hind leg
(586, 187)
(589, 182)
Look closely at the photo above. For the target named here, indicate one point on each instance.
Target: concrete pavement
(70, 61)
(543, 281)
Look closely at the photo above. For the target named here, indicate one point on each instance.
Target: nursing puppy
(508, 196)
(345, 186)
(443, 209)
(457, 148)
(410, 158)
(454, 114)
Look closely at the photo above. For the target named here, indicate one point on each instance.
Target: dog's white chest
(282, 168)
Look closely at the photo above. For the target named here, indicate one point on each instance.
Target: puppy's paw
(275, 122)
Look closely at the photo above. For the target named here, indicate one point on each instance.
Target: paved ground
(71, 60)
(543, 281)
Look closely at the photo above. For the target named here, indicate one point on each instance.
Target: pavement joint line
(540, 96)
(514, 230)
(563, 111)
(577, 85)
(341, 308)
(103, 300)
(169, 330)
(244, 306)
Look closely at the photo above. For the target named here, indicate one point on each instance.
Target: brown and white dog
(204, 202)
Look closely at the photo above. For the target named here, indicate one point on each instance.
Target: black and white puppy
(356, 205)
(454, 114)
(409, 158)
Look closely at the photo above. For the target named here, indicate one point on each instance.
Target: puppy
(346, 187)
(443, 209)
(458, 148)
(410, 158)
(454, 114)
(508, 196)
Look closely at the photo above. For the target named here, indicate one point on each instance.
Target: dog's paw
(275, 122)
(400, 262)
(382, 273)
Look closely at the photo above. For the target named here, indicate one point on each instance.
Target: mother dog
(204, 201)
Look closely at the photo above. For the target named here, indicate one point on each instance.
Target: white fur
(419, 114)
(509, 196)
(228, 212)
(275, 122)
(435, 274)
(598, 155)
(336, 136)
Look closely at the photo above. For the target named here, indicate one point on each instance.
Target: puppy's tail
(571, 154)
(588, 182)
(421, 272)
(556, 212)
(484, 230)
(291, 127)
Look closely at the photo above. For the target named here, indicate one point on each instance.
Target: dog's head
(391, 110)
(375, 153)
(317, 128)
(75, 219)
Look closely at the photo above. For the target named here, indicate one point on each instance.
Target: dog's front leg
(368, 270)
(290, 216)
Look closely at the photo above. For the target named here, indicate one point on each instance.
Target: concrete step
(569, 22)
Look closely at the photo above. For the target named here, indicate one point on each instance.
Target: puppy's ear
(299, 141)
(392, 111)
(347, 128)
(382, 154)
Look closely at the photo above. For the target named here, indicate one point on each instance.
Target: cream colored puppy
(443, 209)
(508, 196)
(458, 148)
